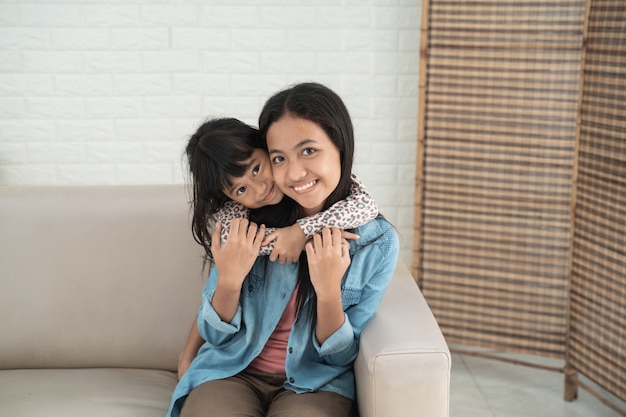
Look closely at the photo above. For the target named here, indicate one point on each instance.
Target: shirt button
(290, 350)
(292, 380)
(250, 288)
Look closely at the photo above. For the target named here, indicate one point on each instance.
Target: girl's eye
(255, 170)
(277, 159)
(240, 190)
(308, 151)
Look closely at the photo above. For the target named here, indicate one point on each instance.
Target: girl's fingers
(349, 235)
(269, 238)
(336, 235)
(251, 230)
(260, 234)
(327, 237)
(234, 227)
(318, 242)
(310, 248)
(242, 225)
(314, 244)
(345, 247)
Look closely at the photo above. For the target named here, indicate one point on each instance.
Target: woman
(231, 175)
(281, 339)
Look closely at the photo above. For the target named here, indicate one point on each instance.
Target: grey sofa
(98, 288)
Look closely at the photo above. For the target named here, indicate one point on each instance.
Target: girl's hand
(290, 241)
(329, 258)
(190, 350)
(289, 244)
(184, 362)
(234, 259)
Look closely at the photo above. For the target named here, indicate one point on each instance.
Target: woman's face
(256, 188)
(305, 161)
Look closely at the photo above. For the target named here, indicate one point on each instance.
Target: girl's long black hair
(215, 153)
(321, 105)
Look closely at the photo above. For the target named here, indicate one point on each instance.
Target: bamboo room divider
(520, 218)
(596, 344)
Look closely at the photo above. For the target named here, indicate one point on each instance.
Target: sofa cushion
(95, 392)
(96, 276)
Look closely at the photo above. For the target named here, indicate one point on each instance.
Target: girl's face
(256, 188)
(305, 161)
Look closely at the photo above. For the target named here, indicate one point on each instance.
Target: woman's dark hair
(321, 105)
(215, 153)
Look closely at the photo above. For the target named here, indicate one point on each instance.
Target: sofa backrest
(96, 276)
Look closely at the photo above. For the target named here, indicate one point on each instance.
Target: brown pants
(254, 393)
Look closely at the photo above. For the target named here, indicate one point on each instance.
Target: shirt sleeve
(231, 210)
(356, 210)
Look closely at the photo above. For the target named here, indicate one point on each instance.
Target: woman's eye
(256, 170)
(277, 159)
(240, 190)
(308, 151)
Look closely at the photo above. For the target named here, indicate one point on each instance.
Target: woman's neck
(306, 212)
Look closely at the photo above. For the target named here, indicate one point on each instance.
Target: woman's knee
(313, 404)
(222, 398)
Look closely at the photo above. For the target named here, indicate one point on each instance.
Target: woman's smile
(304, 188)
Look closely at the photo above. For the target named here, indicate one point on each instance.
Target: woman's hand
(329, 258)
(235, 257)
(234, 260)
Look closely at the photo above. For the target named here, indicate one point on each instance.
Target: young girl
(281, 339)
(231, 174)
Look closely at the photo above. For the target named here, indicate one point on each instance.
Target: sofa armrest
(403, 367)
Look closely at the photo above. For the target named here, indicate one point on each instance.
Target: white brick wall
(108, 91)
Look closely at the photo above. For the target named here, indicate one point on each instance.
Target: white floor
(491, 388)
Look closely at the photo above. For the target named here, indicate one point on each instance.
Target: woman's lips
(304, 187)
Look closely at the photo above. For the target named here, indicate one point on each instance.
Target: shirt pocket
(252, 284)
(350, 296)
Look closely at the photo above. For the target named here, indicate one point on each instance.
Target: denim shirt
(231, 347)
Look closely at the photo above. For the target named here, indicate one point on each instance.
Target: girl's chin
(277, 199)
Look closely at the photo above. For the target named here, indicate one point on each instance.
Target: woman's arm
(371, 268)
(233, 260)
(328, 257)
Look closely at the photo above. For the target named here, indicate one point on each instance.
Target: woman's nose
(296, 171)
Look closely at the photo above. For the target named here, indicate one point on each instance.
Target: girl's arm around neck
(285, 244)
(356, 210)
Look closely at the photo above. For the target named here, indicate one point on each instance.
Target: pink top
(272, 357)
